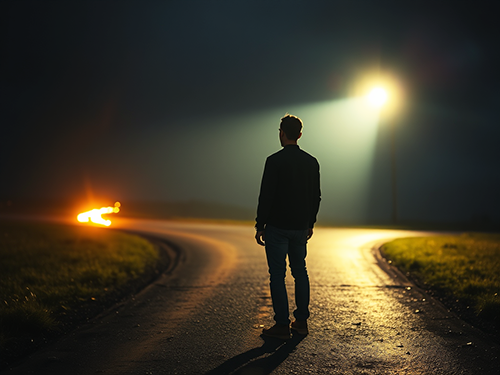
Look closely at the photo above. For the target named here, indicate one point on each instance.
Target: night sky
(181, 100)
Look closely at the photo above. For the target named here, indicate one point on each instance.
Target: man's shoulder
(308, 155)
(274, 158)
(284, 154)
(276, 154)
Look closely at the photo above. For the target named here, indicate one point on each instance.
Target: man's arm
(316, 197)
(267, 192)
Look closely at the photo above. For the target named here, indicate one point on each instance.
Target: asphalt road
(205, 315)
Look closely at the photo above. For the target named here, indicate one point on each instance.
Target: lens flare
(95, 215)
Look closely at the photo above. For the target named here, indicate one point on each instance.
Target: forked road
(206, 315)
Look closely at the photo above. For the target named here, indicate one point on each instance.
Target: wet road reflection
(208, 314)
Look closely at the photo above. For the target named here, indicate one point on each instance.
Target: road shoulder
(471, 344)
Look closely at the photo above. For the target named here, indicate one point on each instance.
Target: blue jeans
(279, 243)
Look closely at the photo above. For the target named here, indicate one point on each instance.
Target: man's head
(291, 129)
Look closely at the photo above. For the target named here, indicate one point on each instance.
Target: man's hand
(310, 233)
(260, 236)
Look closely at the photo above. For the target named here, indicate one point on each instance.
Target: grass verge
(53, 276)
(463, 271)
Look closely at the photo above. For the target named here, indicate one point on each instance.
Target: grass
(47, 271)
(464, 268)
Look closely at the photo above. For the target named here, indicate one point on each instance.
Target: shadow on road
(249, 363)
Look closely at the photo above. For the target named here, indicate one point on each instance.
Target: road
(206, 315)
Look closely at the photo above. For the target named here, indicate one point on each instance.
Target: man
(288, 204)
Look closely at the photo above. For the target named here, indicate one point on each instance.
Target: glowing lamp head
(377, 96)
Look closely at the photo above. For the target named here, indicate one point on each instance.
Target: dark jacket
(290, 191)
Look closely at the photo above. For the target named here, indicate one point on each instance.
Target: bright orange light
(95, 217)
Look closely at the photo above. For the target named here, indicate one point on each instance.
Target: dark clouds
(86, 81)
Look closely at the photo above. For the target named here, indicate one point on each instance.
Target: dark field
(55, 275)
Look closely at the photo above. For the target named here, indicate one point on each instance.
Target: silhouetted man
(288, 204)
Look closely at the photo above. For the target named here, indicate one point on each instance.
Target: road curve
(206, 315)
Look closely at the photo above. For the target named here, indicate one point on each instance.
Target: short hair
(292, 126)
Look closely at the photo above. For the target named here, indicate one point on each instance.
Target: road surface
(206, 315)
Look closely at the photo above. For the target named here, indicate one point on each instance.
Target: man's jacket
(290, 190)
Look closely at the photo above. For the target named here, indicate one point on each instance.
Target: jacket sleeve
(316, 196)
(268, 189)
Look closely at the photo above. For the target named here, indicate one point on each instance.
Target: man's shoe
(278, 331)
(300, 326)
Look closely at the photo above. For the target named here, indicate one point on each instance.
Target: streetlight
(378, 97)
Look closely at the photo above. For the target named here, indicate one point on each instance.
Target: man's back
(290, 192)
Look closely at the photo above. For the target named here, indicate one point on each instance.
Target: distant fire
(95, 217)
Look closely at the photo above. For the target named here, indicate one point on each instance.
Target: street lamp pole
(394, 175)
(378, 97)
